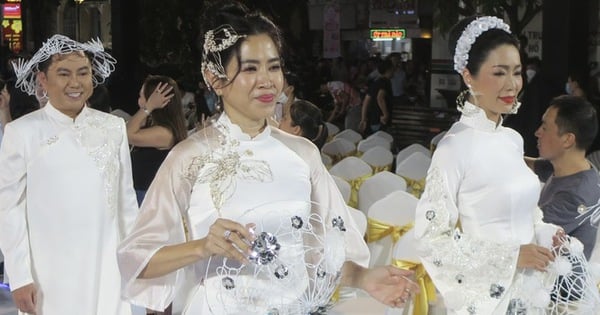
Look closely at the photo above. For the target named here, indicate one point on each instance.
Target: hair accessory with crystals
(103, 64)
(470, 34)
(215, 41)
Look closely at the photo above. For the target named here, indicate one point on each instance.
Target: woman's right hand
(160, 97)
(228, 239)
(534, 256)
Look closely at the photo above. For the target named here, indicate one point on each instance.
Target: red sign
(388, 33)
(12, 10)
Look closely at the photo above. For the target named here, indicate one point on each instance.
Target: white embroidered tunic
(478, 179)
(66, 200)
(221, 171)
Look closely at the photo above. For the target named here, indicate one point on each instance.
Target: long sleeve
(470, 271)
(326, 194)
(127, 208)
(160, 223)
(14, 238)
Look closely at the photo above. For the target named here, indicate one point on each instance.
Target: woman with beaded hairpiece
(245, 212)
(478, 228)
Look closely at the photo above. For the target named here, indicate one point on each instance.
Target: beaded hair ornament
(463, 46)
(215, 41)
(103, 64)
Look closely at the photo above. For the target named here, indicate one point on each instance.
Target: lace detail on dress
(477, 271)
(101, 138)
(223, 165)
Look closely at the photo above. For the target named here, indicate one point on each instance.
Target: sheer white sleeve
(472, 274)
(160, 223)
(127, 205)
(14, 239)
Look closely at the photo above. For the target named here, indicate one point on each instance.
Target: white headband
(102, 63)
(215, 41)
(470, 34)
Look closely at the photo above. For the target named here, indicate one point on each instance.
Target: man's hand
(25, 298)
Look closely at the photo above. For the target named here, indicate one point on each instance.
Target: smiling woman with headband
(268, 232)
(478, 227)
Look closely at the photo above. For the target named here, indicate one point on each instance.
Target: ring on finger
(227, 234)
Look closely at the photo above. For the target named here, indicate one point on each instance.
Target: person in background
(570, 197)
(5, 117)
(218, 181)
(576, 84)
(479, 231)
(303, 118)
(66, 192)
(154, 129)
(377, 104)
(346, 104)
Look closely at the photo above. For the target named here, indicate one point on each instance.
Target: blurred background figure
(154, 129)
(304, 119)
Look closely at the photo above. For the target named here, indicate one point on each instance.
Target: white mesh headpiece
(103, 64)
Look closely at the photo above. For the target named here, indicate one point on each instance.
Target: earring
(515, 107)
(461, 98)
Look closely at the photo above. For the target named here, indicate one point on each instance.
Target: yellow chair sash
(354, 187)
(377, 230)
(338, 157)
(381, 168)
(420, 301)
(417, 186)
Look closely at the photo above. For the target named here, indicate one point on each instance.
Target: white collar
(224, 123)
(475, 117)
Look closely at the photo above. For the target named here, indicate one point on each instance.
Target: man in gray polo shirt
(571, 193)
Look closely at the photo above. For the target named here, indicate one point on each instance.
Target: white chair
(332, 129)
(415, 147)
(414, 170)
(349, 135)
(435, 140)
(354, 171)
(380, 158)
(397, 209)
(378, 186)
(338, 149)
(405, 253)
(343, 186)
(326, 159)
(371, 142)
(383, 134)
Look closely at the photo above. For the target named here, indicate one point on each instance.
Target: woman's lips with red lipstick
(508, 99)
(267, 98)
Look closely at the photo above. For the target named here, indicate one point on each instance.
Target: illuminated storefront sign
(388, 34)
(12, 25)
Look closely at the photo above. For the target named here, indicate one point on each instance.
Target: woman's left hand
(389, 285)
(160, 97)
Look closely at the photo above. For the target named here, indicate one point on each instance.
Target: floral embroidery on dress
(489, 264)
(101, 137)
(222, 166)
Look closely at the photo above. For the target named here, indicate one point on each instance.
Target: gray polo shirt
(564, 199)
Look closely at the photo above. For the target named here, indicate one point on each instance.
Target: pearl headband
(470, 34)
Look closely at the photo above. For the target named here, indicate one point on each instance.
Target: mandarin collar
(475, 117)
(236, 132)
(57, 115)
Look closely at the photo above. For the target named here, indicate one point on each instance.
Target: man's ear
(42, 79)
(569, 140)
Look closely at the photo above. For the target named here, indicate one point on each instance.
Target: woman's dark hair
(170, 116)
(243, 22)
(309, 118)
(484, 43)
(576, 115)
